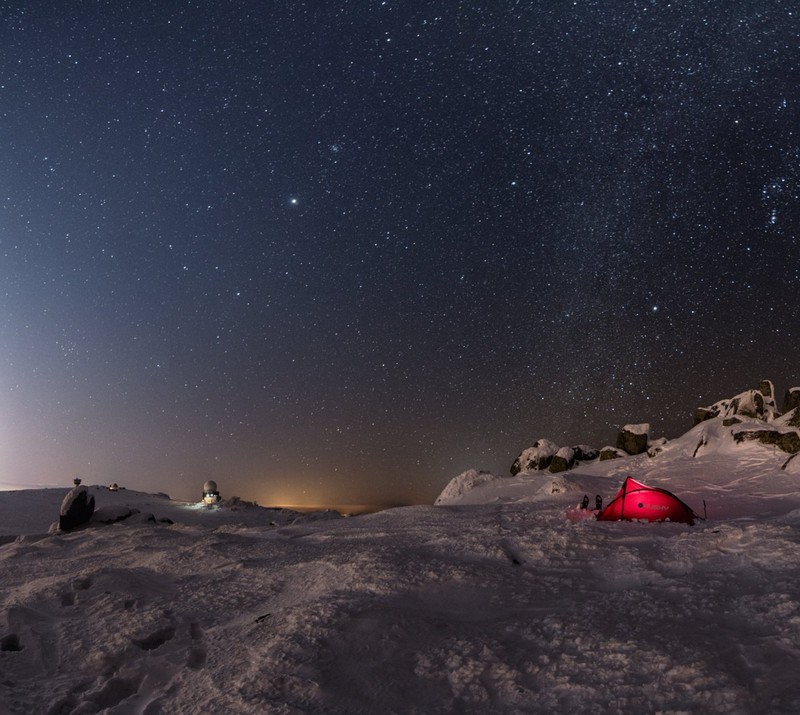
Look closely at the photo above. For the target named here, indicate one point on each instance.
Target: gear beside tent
(638, 502)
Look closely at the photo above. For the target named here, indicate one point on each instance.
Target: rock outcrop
(754, 404)
(548, 455)
(535, 458)
(792, 418)
(740, 414)
(788, 442)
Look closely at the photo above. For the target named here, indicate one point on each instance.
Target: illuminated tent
(636, 501)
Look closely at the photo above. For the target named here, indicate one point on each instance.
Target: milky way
(342, 251)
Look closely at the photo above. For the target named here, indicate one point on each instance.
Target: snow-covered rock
(111, 514)
(785, 440)
(633, 438)
(534, 458)
(609, 452)
(585, 453)
(749, 404)
(562, 460)
(791, 399)
(76, 508)
(464, 482)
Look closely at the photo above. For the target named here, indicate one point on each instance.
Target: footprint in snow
(156, 639)
(197, 651)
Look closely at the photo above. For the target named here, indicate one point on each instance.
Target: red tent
(636, 501)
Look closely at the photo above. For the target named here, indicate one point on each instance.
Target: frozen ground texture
(495, 602)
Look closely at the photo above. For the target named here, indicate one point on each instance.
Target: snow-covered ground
(494, 602)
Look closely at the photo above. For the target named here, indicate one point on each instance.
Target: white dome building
(210, 492)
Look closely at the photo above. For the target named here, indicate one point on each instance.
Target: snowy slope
(495, 603)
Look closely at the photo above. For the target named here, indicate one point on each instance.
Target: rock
(633, 438)
(766, 388)
(563, 460)
(76, 509)
(791, 399)
(730, 421)
(585, 453)
(701, 414)
(750, 403)
(236, 503)
(792, 418)
(533, 458)
(786, 441)
(112, 514)
(463, 483)
(609, 453)
(655, 447)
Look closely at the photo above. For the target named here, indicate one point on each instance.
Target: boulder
(610, 453)
(701, 414)
(463, 483)
(585, 453)
(633, 438)
(791, 399)
(76, 509)
(534, 458)
(563, 460)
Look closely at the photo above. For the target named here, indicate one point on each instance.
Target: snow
(465, 483)
(643, 428)
(493, 602)
(566, 453)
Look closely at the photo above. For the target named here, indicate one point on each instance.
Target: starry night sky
(338, 252)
